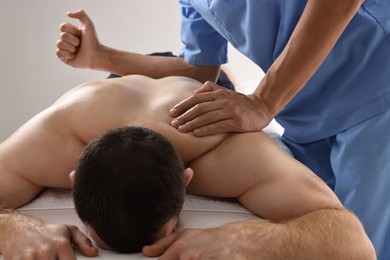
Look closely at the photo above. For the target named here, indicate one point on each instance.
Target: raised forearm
(317, 31)
(127, 63)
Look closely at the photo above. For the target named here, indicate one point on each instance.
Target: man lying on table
(136, 165)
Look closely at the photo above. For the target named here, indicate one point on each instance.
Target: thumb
(159, 247)
(82, 16)
(208, 87)
(82, 242)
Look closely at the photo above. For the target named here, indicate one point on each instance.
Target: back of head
(128, 184)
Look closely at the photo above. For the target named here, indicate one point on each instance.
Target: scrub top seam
(378, 22)
(231, 39)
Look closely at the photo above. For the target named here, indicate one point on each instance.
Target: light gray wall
(32, 77)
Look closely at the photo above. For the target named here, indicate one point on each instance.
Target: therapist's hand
(25, 237)
(79, 46)
(214, 109)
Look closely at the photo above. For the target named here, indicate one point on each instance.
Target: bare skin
(71, 122)
(307, 220)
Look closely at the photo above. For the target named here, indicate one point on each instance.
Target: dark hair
(128, 184)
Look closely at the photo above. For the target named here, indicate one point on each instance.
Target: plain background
(31, 75)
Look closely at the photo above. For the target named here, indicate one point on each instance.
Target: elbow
(359, 246)
(366, 250)
(370, 252)
(363, 251)
(347, 238)
(357, 250)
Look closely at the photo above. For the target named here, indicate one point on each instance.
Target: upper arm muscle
(15, 191)
(266, 180)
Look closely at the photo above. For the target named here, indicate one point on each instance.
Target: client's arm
(79, 47)
(307, 221)
(32, 155)
(25, 237)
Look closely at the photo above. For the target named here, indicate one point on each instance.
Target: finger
(82, 242)
(82, 16)
(70, 39)
(219, 127)
(204, 121)
(172, 254)
(44, 252)
(159, 247)
(207, 87)
(65, 56)
(195, 112)
(65, 46)
(70, 29)
(64, 250)
(187, 103)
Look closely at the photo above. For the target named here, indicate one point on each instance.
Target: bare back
(46, 149)
(248, 166)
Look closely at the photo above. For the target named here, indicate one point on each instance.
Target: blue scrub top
(352, 85)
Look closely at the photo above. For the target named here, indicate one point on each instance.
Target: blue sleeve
(380, 11)
(202, 44)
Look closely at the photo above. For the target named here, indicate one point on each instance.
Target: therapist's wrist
(264, 114)
(273, 94)
(268, 109)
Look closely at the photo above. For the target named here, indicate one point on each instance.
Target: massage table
(56, 205)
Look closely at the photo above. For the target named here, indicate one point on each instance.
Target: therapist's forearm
(128, 63)
(318, 30)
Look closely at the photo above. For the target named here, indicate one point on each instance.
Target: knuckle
(72, 228)
(235, 110)
(232, 126)
(58, 44)
(61, 243)
(198, 108)
(63, 26)
(44, 252)
(63, 36)
(220, 91)
(195, 97)
(59, 53)
(209, 83)
(222, 125)
(179, 246)
(187, 125)
(226, 103)
(25, 256)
